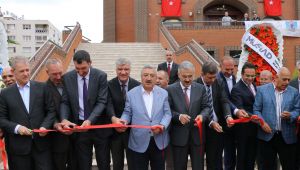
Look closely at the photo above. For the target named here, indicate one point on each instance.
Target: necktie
(208, 91)
(85, 99)
(123, 89)
(210, 101)
(169, 69)
(187, 100)
(249, 86)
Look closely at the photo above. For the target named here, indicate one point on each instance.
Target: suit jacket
(60, 142)
(135, 112)
(116, 103)
(198, 105)
(13, 112)
(97, 99)
(243, 98)
(265, 108)
(221, 104)
(295, 83)
(174, 71)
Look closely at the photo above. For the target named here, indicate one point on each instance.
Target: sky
(89, 13)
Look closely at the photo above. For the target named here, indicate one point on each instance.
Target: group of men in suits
(168, 101)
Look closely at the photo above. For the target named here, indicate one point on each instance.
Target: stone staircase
(104, 56)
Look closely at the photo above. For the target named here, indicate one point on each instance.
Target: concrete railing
(194, 48)
(46, 50)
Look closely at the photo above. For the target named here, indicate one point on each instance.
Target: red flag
(272, 7)
(170, 8)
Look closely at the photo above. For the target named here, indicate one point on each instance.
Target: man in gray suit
(83, 101)
(148, 105)
(189, 103)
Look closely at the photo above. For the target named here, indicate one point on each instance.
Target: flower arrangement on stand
(269, 36)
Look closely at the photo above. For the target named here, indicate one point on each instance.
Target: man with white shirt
(170, 67)
(226, 75)
(278, 105)
(147, 104)
(189, 103)
(219, 118)
(25, 106)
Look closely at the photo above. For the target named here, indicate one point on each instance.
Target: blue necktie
(85, 99)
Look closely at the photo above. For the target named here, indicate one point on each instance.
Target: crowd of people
(170, 101)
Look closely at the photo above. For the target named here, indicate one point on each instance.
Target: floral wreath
(272, 38)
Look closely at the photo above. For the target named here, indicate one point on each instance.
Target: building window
(235, 53)
(11, 37)
(26, 49)
(26, 26)
(26, 38)
(37, 48)
(11, 26)
(12, 49)
(45, 38)
(41, 28)
(38, 38)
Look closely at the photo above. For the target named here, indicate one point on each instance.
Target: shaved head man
(8, 76)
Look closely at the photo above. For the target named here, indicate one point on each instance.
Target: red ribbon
(199, 125)
(113, 125)
(3, 154)
(248, 119)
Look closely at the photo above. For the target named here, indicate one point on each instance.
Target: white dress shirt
(278, 97)
(80, 93)
(25, 95)
(148, 100)
(229, 83)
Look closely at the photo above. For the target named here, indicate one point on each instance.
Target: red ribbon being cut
(113, 125)
(199, 125)
(248, 119)
(3, 154)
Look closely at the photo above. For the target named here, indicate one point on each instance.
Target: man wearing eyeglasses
(170, 67)
(243, 96)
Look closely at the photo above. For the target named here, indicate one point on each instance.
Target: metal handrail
(45, 51)
(184, 25)
(192, 46)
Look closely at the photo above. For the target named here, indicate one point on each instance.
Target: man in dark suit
(170, 67)
(243, 95)
(83, 103)
(189, 103)
(220, 116)
(227, 78)
(24, 106)
(117, 90)
(60, 143)
(278, 105)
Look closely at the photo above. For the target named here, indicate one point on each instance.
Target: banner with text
(289, 28)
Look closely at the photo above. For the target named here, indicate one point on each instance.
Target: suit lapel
(74, 84)
(155, 101)
(192, 96)
(91, 85)
(272, 95)
(19, 99)
(31, 96)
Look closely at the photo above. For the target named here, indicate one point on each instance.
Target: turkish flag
(170, 8)
(272, 7)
